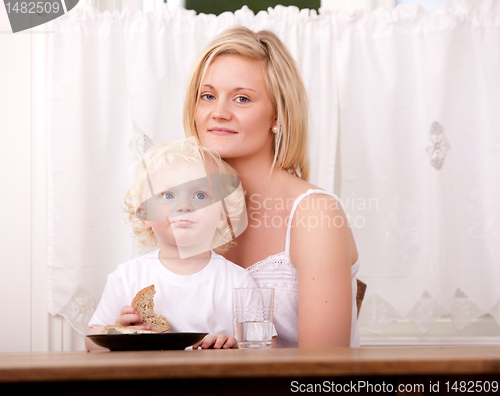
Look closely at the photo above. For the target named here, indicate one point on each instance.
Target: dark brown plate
(146, 342)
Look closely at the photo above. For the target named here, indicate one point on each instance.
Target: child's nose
(184, 205)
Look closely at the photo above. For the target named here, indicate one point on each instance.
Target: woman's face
(235, 115)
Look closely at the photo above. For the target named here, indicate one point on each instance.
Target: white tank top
(277, 271)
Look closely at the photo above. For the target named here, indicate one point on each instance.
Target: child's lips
(182, 222)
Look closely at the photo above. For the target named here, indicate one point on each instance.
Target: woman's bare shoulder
(319, 221)
(293, 186)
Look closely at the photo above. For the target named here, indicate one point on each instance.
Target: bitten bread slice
(123, 330)
(143, 303)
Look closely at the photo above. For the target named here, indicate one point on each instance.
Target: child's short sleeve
(248, 281)
(112, 301)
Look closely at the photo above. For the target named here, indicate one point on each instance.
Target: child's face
(184, 213)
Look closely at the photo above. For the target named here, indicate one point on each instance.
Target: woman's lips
(221, 131)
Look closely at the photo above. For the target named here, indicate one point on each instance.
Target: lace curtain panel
(413, 97)
(420, 150)
(117, 83)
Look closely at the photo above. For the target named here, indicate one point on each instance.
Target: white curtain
(419, 101)
(116, 86)
(420, 153)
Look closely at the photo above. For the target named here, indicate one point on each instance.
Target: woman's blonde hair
(169, 154)
(285, 88)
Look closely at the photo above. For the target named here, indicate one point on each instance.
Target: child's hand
(129, 315)
(217, 342)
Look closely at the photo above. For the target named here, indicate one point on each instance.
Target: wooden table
(248, 372)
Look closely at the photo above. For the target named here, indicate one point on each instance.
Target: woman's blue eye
(207, 96)
(242, 99)
(200, 195)
(167, 195)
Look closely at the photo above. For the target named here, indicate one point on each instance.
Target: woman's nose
(221, 111)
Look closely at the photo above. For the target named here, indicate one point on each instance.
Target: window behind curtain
(426, 4)
(219, 6)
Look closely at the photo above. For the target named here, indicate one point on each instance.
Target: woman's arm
(321, 250)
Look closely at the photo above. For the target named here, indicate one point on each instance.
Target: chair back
(360, 294)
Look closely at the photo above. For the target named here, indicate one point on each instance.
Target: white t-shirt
(202, 302)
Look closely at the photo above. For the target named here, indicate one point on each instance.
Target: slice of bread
(123, 330)
(143, 303)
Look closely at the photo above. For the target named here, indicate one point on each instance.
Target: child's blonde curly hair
(169, 154)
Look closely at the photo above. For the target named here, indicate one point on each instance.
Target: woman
(246, 100)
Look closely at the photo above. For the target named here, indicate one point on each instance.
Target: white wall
(15, 182)
(23, 239)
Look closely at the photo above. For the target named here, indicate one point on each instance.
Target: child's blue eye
(167, 195)
(200, 195)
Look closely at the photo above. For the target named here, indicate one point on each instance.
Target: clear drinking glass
(254, 309)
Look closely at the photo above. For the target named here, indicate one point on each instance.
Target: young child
(172, 204)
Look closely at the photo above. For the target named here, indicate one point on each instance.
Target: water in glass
(250, 334)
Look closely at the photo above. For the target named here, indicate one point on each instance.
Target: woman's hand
(220, 341)
(129, 315)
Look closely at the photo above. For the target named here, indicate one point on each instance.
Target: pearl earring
(275, 129)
